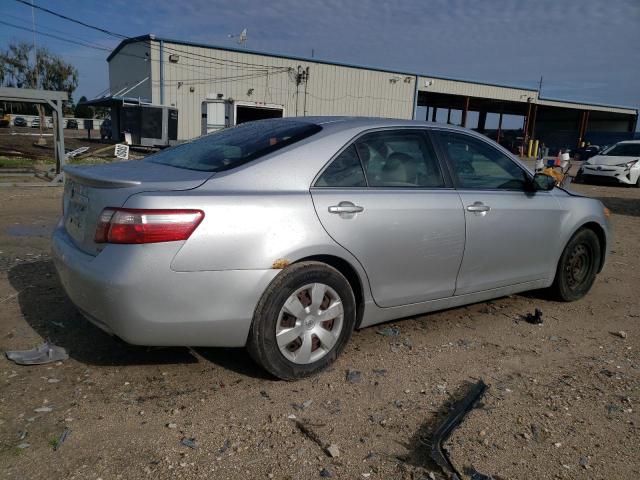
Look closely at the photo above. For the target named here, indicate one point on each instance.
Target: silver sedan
(285, 235)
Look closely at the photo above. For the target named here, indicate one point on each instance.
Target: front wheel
(578, 266)
(303, 321)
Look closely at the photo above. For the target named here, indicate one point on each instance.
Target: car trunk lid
(90, 189)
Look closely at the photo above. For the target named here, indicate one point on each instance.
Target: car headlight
(627, 165)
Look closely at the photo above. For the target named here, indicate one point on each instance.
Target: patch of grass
(89, 161)
(53, 442)
(16, 162)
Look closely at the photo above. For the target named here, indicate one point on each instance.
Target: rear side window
(344, 171)
(399, 158)
(231, 147)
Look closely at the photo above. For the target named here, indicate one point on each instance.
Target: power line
(106, 49)
(50, 29)
(64, 17)
(191, 55)
(205, 81)
(62, 39)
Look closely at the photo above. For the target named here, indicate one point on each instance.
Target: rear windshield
(624, 150)
(234, 146)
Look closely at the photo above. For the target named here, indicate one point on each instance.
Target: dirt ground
(21, 142)
(563, 399)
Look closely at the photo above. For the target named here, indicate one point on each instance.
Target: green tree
(83, 111)
(49, 73)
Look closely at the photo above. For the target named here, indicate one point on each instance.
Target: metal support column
(499, 128)
(534, 114)
(525, 127)
(58, 134)
(433, 115)
(161, 53)
(449, 116)
(426, 117)
(584, 120)
(482, 121)
(465, 110)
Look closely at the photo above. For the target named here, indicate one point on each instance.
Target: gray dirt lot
(563, 400)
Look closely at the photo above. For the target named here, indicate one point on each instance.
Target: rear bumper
(130, 291)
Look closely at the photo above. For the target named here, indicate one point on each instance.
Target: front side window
(235, 146)
(399, 158)
(344, 171)
(478, 165)
(624, 150)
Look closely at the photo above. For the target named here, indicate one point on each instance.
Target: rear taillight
(129, 225)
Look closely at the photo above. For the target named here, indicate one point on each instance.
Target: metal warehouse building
(212, 86)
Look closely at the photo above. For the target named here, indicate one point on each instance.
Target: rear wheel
(578, 266)
(303, 321)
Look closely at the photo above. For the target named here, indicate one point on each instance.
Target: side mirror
(543, 182)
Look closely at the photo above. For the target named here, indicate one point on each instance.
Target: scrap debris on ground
(45, 353)
(534, 318)
(455, 417)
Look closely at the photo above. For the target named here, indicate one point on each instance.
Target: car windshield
(235, 146)
(624, 150)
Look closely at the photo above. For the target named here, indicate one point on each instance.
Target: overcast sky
(586, 50)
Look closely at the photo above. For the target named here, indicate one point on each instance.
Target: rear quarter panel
(247, 230)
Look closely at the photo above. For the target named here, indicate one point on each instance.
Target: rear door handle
(478, 207)
(345, 207)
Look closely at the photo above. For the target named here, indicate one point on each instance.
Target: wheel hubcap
(309, 323)
(578, 266)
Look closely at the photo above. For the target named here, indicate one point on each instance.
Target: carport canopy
(44, 97)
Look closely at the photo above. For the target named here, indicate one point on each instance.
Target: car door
(385, 198)
(512, 232)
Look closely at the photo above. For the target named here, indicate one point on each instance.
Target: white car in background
(619, 163)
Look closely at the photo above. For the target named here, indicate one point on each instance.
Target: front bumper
(130, 291)
(606, 173)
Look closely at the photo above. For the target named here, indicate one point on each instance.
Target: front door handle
(345, 207)
(479, 207)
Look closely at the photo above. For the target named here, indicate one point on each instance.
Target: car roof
(340, 122)
(630, 141)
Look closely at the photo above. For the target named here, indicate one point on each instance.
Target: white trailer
(222, 113)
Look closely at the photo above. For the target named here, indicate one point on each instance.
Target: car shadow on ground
(47, 309)
(622, 206)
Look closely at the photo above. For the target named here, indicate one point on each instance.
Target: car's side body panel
(511, 243)
(410, 241)
(374, 315)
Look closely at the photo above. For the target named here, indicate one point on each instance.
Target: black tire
(637, 184)
(262, 344)
(578, 266)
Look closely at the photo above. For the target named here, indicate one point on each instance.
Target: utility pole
(306, 81)
(301, 77)
(40, 108)
(540, 87)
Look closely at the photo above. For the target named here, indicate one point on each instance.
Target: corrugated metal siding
(128, 68)
(331, 89)
(472, 89)
(586, 106)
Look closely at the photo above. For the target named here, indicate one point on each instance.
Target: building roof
(557, 102)
(31, 95)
